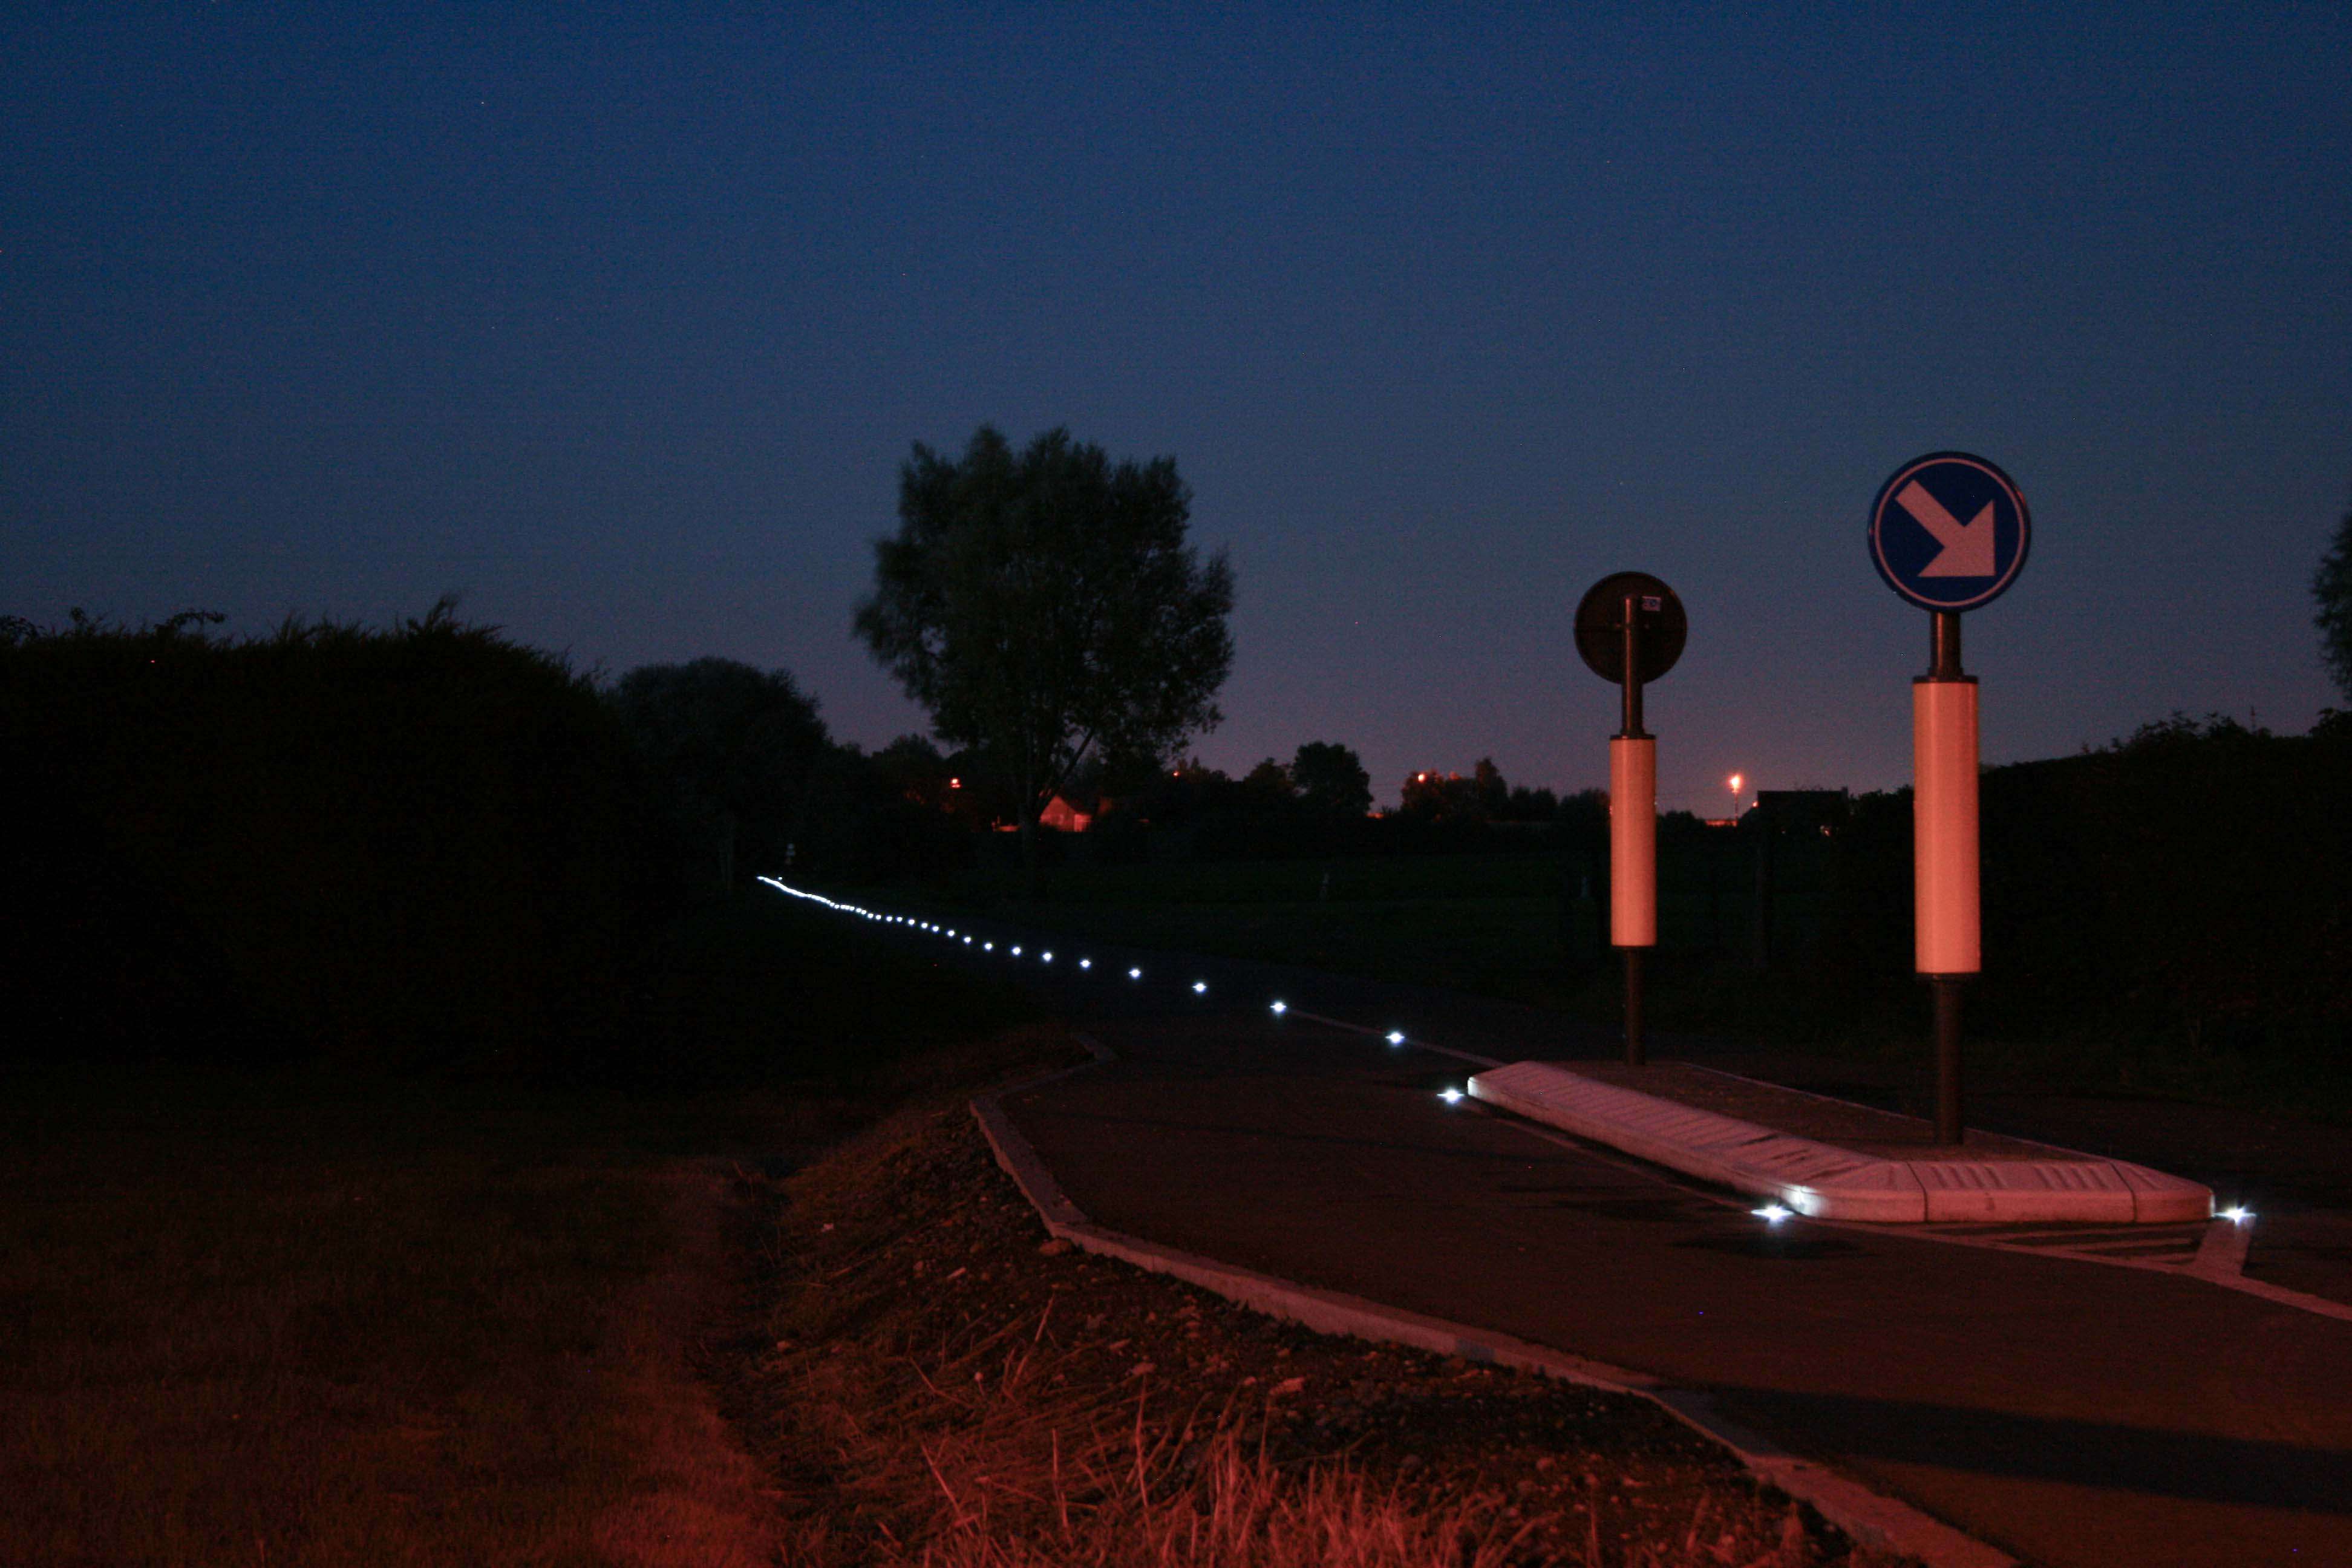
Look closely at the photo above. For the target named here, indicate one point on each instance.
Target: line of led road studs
(1771, 1213)
(1451, 1094)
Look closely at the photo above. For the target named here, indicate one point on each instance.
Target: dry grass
(1163, 1496)
(1169, 1494)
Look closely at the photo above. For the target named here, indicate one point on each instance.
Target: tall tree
(1044, 603)
(2331, 590)
(1331, 779)
(737, 746)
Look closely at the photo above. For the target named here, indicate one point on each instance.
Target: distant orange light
(1736, 781)
(955, 783)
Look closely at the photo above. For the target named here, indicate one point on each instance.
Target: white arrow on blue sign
(1949, 532)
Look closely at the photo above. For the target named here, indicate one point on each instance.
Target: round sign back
(1949, 532)
(1657, 617)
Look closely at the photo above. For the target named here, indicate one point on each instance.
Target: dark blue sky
(621, 320)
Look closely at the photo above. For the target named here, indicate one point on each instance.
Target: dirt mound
(937, 1383)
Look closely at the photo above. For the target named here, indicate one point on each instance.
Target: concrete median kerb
(1823, 1180)
(1864, 1515)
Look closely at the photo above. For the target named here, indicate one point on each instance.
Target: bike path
(2071, 1412)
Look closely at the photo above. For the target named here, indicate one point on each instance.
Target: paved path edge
(1864, 1515)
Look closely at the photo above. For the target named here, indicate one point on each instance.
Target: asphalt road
(2071, 1412)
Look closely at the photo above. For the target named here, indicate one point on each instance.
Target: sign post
(1929, 557)
(1630, 628)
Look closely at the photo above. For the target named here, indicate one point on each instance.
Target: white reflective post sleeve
(1634, 842)
(1944, 826)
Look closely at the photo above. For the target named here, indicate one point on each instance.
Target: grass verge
(312, 1317)
(938, 1384)
(294, 1320)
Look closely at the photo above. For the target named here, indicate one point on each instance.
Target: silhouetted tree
(737, 745)
(1044, 604)
(1331, 780)
(1270, 783)
(912, 769)
(1483, 796)
(1438, 797)
(1494, 795)
(2331, 590)
(1531, 805)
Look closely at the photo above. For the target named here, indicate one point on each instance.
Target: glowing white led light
(967, 941)
(1135, 974)
(1016, 952)
(1200, 988)
(1451, 1096)
(2237, 1213)
(1396, 1036)
(1280, 1008)
(987, 947)
(1771, 1213)
(1085, 964)
(1046, 957)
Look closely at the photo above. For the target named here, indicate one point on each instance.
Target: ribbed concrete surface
(1827, 1182)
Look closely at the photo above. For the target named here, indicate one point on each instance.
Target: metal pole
(1636, 1052)
(1632, 634)
(1944, 664)
(1944, 645)
(1946, 988)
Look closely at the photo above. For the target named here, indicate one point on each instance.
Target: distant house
(1060, 815)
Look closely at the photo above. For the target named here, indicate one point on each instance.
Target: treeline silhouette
(2185, 892)
(426, 845)
(2193, 883)
(2182, 893)
(1316, 806)
(419, 847)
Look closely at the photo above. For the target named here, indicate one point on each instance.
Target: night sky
(620, 322)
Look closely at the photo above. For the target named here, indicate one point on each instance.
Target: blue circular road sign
(1949, 532)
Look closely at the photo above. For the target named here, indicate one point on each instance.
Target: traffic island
(1830, 1159)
